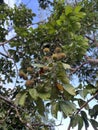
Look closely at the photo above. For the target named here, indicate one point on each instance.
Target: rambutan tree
(38, 66)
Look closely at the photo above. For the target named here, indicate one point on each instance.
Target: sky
(33, 4)
(10, 2)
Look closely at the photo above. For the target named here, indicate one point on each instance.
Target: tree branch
(38, 124)
(40, 22)
(10, 103)
(88, 60)
(86, 103)
(93, 61)
(7, 101)
(76, 69)
(5, 42)
(89, 38)
(25, 123)
(69, 127)
(3, 55)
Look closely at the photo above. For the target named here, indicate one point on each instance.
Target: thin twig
(3, 55)
(69, 127)
(5, 50)
(38, 124)
(88, 60)
(16, 73)
(89, 38)
(8, 56)
(76, 69)
(86, 103)
(9, 102)
(7, 41)
(40, 22)
(93, 61)
(25, 123)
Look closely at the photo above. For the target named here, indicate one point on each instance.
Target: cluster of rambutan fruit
(57, 54)
(24, 75)
(54, 55)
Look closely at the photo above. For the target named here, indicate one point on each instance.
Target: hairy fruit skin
(30, 69)
(46, 50)
(62, 55)
(58, 56)
(29, 83)
(23, 75)
(54, 56)
(57, 50)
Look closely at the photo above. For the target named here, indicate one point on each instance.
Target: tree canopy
(39, 65)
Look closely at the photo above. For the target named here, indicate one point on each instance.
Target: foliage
(40, 64)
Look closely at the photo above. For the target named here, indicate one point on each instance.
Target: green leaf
(66, 66)
(2, 115)
(68, 9)
(61, 74)
(81, 102)
(22, 99)
(67, 107)
(77, 120)
(54, 93)
(40, 106)
(81, 15)
(70, 89)
(62, 77)
(59, 22)
(85, 119)
(74, 121)
(83, 93)
(4, 126)
(91, 88)
(38, 65)
(51, 31)
(72, 106)
(94, 124)
(94, 112)
(84, 115)
(44, 96)
(18, 96)
(33, 93)
(80, 123)
(54, 109)
(77, 8)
